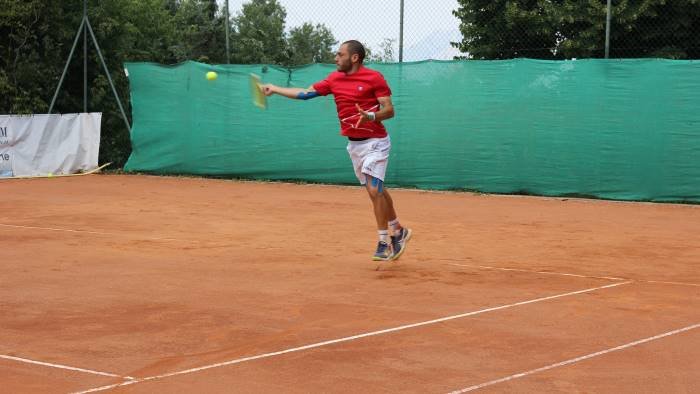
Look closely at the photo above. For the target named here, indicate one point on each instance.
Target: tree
(555, 29)
(200, 32)
(126, 30)
(310, 44)
(656, 28)
(37, 38)
(34, 33)
(37, 35)
(500, 29)
(385, 54)
(646, 28)
(258, 33)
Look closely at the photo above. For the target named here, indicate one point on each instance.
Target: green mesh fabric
(617, 129)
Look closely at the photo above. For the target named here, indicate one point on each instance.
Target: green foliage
(258, 33)
(310, 44)
(385, 54)
(32, 41)
(259, 38)
(36, 37)
(499, 29)
(557, 29)
(657, 28)
(199, 33)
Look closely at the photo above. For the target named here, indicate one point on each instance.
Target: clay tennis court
(145, 284)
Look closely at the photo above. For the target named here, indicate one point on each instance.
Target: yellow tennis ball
(50, 175)
(211, 75)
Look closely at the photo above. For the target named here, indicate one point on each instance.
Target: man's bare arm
(292, 93)
(386, 111)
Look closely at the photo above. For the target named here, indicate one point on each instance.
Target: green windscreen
(617, 129)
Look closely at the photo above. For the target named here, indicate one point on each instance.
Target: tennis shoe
(398, 242)
(383, 252)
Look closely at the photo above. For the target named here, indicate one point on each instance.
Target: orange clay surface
(143, 284)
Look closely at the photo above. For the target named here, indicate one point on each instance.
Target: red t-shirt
(362, 87)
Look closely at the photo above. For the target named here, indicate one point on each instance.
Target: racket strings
(347, 121)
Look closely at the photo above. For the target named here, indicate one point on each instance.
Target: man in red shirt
(363, 100)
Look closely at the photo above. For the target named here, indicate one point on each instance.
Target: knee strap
(377, 183)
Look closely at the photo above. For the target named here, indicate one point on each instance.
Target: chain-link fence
(581, 29)
(666, 29)
(428, 27)
(503, 29)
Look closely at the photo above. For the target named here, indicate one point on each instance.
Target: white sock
(383, 236)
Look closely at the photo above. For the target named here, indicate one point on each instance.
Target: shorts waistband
(358, 139)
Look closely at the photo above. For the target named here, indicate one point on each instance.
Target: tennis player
(363, 101)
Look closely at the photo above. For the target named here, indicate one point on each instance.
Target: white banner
(35, 145)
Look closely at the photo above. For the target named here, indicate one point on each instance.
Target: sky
(429, 26)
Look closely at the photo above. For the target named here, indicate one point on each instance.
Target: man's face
(343, 59)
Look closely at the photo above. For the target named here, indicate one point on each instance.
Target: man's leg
(382, 205)
(386, 217)
(398, 234)
(375, 189)
(391, 213)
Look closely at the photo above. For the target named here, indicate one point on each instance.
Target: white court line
(81, 231)
(574, 275)
(537, 272)
(672, 283)
(59, 366)
(577, 359)
(346, 339)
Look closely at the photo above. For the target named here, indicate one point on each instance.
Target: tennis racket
(256, 92)
(352, 119)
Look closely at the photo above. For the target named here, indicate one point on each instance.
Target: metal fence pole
(228, 51)
(85, 45)
(65, 69)
(401, 34)
(109, 76)
(607, 32)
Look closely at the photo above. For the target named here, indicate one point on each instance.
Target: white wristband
(371, 116)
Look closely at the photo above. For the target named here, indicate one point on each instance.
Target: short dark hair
(356, 47)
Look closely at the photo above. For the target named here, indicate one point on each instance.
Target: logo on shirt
(360, 88)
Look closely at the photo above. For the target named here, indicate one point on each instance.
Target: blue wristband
(307, 95)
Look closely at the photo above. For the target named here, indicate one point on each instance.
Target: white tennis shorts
(370, 157)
